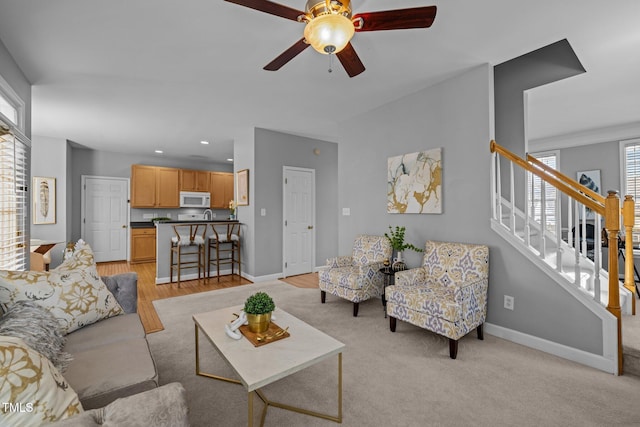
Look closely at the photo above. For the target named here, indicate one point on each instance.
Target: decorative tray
(265, 337)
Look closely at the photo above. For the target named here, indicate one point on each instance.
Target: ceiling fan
(330, 27)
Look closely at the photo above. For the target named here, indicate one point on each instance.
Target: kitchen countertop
(142, 224)
(150, 224)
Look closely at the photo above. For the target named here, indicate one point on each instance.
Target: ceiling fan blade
(287, 55)
(270, 7)
(350, 61)
(399, 19)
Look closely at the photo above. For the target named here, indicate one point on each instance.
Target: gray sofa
(161, 407)
(111, 358)
(113, 371)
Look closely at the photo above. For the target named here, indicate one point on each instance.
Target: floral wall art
(414, 182)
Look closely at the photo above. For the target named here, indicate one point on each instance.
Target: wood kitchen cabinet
(192, 180)
(154, 187)
(221, 189)
(143, 245)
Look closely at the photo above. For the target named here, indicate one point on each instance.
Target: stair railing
(581, 201)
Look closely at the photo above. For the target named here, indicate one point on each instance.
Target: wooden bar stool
(188, 242)
(224, 244)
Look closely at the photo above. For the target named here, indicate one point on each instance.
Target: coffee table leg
(337, 419)
(250, 399)
(205, 374)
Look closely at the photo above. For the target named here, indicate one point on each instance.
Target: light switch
(346, 211)
(263, 212)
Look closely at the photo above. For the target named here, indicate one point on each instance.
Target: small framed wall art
(43, 195)
(242, 183)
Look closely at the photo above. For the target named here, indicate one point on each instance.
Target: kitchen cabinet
(143, 245)
(193, 180)
(154, 187)
(221, 189)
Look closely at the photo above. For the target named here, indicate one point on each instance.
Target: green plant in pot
(258, 308)
(396, 238)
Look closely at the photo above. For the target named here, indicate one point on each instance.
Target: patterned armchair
(447, 295)
(357, 277)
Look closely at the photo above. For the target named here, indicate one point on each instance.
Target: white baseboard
(190, 276)
(276, 276)
(580, 356)
(265, 278)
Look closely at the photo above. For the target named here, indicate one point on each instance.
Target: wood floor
(148, 291)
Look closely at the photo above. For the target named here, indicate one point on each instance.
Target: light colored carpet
(404, 378)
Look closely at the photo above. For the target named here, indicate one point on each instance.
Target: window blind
(535, 193)
(632, 176)
(14, 176)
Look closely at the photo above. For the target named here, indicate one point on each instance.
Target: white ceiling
(138, 75)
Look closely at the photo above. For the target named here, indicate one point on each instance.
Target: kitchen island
(165, 231)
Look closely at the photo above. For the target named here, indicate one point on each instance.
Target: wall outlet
(346, 211)
(509, 302)
(213, 215)
(263, 212)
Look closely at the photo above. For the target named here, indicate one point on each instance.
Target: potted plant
(232, 209)
(258, 308)
(396, 238)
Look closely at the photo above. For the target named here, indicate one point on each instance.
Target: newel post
(629, 218)
(612, 224)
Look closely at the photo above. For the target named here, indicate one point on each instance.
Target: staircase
(574, 265)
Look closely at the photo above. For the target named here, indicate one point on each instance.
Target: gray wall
(548, 64)
(454, 115)
(244, 158)
(274, 150)
(604, 156)
(108, 164)
(49, 157)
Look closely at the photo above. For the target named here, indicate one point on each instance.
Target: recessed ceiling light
(159, 151)
(204, 142)
(229, 160)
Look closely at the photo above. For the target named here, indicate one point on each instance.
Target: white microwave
(195, 199)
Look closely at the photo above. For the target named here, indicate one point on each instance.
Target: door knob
(310, 227)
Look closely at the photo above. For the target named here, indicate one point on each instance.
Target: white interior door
(106, 217)
(299, 221)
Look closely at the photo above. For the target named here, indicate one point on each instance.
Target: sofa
(111, 358)
(102, 371)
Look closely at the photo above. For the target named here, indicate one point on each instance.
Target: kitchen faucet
(208, 214)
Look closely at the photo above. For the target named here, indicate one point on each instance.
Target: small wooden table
(257, 367)
(389, 279)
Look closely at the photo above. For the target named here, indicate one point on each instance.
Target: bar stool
(226, 244)
(189, 242)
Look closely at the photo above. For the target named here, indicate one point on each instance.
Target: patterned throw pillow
(32, 391)
(72, 292)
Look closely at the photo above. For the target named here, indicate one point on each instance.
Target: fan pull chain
(330, 63)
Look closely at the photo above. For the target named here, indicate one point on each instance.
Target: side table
(389, 279)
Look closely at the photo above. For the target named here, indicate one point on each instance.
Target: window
(12, 107)
(630, 152)
(535, 192)
(14, 176)
(8, 110)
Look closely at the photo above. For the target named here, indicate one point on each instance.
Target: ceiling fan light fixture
(329, 33)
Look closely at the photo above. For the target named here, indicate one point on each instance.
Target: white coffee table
(258, 366)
